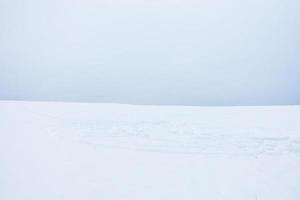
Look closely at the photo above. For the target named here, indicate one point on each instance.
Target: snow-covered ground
(81, 151)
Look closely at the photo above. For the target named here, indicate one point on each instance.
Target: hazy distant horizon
(49, 100)
(199, 53)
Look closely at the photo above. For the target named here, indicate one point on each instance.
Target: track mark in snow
(163, 136)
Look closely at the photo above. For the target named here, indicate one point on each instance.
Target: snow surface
(76, 151)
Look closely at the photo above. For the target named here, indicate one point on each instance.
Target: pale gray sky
(207, 52)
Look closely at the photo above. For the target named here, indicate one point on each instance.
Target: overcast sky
(188, 52)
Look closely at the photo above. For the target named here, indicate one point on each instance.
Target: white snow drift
(67, 151)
